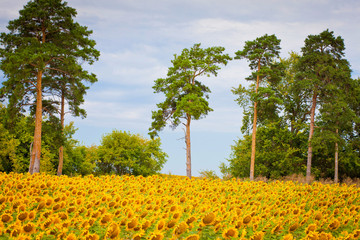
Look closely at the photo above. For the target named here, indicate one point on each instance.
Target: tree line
(301, 113)
(306, 107)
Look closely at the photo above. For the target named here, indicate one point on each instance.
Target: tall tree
(186, 96)
(322, 67)
(69, 89)
(45, 33)
(260, 53)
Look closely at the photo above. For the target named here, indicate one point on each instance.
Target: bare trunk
(253, 141)
(61, 149)
(311, 133)
(336, 176)
(188, 146)
(36, 151)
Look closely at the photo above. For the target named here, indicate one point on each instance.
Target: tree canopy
(44, 41)
(185, 95)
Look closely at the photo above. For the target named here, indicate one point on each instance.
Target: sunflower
(288, 237)
(15, 232)
(71, 236)
(325, 236)
(31, 215)
(145, 225)
(334, 225)
(356, 233)
(46, 223)
(113, 231)
(156, 236)
(230, 233)
(247, 220)
(49, 201)
(41, 205)
(22, 207)
(312, 236)
(293, 227)
(56, 207)
(160, 225)
(22, 216)
(310, 228)
(208, 218)
(171, 223)
(193, 237)
(93, 236)
(71, 209)
(190, 220)
(105, 219)
(138, 236)
(277, 228)
(5, 218)
(318, 215)
(132, 224)
(180, 229)
(23, 237)
(28, 228)
(176, 215)
(258, 236)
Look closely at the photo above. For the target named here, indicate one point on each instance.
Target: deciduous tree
(125, 153)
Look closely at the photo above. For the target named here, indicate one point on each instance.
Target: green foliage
(7, 150)
(210, 174)
(124, 153)
(261, 54)
(78, 159)
(275, 154)
(282, 140)
(185, 95)
(43, 39)
(47, 164)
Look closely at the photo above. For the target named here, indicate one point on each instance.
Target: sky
(137, 40)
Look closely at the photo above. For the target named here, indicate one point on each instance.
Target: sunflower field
(42, 206)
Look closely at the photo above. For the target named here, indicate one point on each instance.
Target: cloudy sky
(138, 38)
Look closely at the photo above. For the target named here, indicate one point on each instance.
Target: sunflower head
(6, 218)
(230, 233)
(293, 227)
(334, 225)
(22, 216)
(180, 229)
(208, 218)
(310, 228)
(258, 236)
(247, 219)
(105, 219)
(28, 228)
(288, 237)
(113, 231)
(71, 236)
(157, 235)
(193, 237)
(160, 225)
(132, 224)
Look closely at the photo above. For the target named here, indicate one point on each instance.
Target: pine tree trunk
(253, 141)
(336, 176)
(36, 151)
(61, 149)
(188, 146)
(311, 133)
